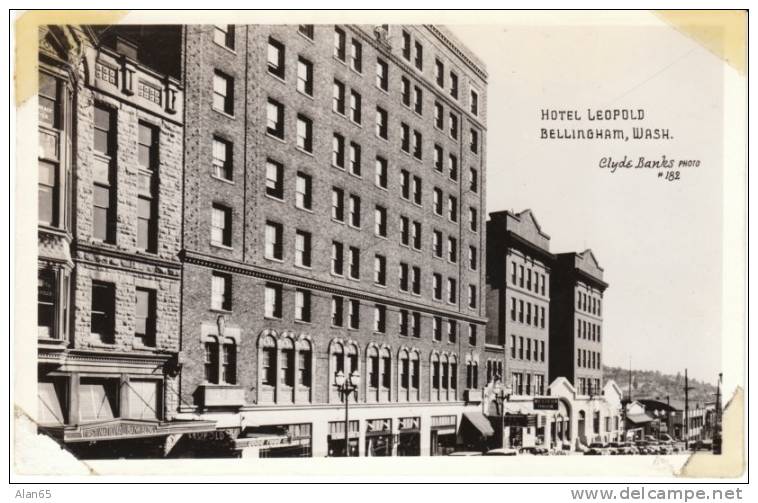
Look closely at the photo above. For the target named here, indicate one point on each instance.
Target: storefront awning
(639, 418)
(118, 429)
(480, 422)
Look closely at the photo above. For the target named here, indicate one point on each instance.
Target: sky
(658, 241)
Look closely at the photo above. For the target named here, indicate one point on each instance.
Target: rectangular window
(416, 280)
(405, 231)
(273, 301)
(144, 327)
(513, 346)
(268, 367)
(405, 184)
(303, 248)
(104, 225)
(47, 288)
(454, 85)
(419, 58)
(417, 145)
(339, 44)
(452, 165)
(338, 151)
(439, 116)
(473, 219)
(148, 160)
(338, 97)
(304, 133)
(222, 159)
(382, 74)
(221, 225)
(355, 210)
(303, 188)
(439, 73)
(453, 126)
(337, 258)
(474, 103)
(380, 318)
(354, 313)
(437, 286)
(98, 399)
(513, 308)
(437, 328)
(49, 99)
(103, 314)
(274, 179)
(304, 76)
(452, 208)
(437, 243)
(472, 257)
(472, 334)
(306, 30)
(416, 324)
(406, 47)
(381, 172)
(438, 155)
(472, 296)
(337, 307)
(48, 193)
(437, 201)
(275, 58)
(381, 123)
(418, 100)
(275, 119)
(223, 93)
(417, 190)
(221, 292)
(403, 322)
(356, 55)
(417, 235)
(355, 106)
(303, 305)
(354, 257)
(355, 159)
(223, 34)
(452, 249)
(473, 176)
(380, 221)
(404, 276)
(380, 270)
(405, 91)
(147, 147)
(452, 331)
(474, 141)
(338, 204)
(405, 137)
(146, 223)
(452, 290)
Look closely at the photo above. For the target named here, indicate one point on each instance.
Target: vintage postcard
(499, 244)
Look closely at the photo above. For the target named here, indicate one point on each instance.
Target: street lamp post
(345, 386)
(502, 396)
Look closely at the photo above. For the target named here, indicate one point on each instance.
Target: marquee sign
(545, 404)
(117, 429)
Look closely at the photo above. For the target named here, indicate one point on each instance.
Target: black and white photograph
(512, 243)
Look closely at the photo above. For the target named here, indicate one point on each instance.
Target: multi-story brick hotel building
(334, 184)
(576, 321)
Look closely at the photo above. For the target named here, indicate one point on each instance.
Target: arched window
(469, 374)
(351, 359)
(475, 375)
(229, 362)
(445, 371)
(210, 359)
(386, 370)
(287, 362)
(435, 376)
(268, 361)
(338, 360)
(403, 364)
(304, 363)
(453, 377)
(415, 375)
(372, 373)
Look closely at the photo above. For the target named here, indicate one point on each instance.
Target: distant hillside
(654, 384)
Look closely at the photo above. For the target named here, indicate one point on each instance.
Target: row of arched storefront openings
(287, 369)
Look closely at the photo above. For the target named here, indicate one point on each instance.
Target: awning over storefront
(119, 429)
(479, 422)
(639, 418)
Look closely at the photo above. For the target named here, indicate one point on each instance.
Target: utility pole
(630, 380)
(717, 419)
(687, 389)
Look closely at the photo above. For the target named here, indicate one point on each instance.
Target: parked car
(503, 451)
(536, 451)
(598, 449)
(465, 453)
(643, 447)
(617, 448)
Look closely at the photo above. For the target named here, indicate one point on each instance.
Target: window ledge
(303, 151)
(222, 246)
(275, 138)
(225, 180)
(221, 112)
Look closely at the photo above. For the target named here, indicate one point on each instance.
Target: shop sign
(218, 435)
(409, 423)
(545, 404)
(377, 426)
(516, 420)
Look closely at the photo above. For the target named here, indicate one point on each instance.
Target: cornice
(454, 48)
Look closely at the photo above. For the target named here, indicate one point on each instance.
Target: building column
(425, 436)
(73, 398)
(319, 444)
(547, 437)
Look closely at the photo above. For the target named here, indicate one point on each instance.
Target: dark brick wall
(252, 208)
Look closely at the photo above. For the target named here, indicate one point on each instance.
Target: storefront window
(144, 400)
(98, 399)
(46, 286)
